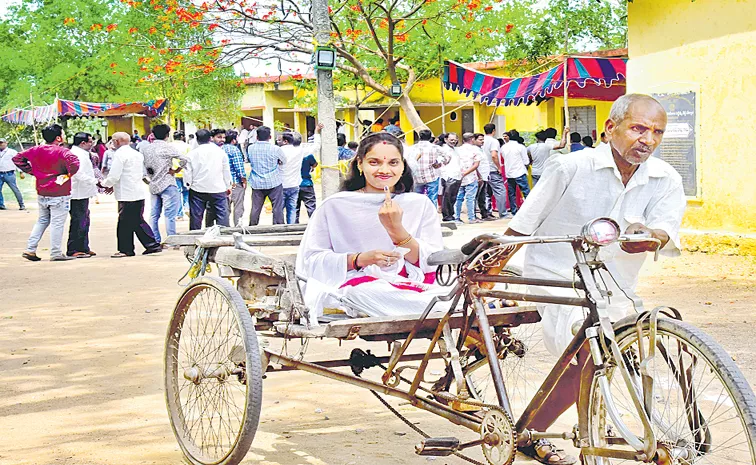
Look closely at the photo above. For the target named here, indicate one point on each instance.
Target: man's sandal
(547, 453)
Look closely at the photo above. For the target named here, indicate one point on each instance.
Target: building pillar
(406, 127)
(350, 118)
(300, 124)
(480, 117)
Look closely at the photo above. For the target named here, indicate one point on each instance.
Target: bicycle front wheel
(703, 408)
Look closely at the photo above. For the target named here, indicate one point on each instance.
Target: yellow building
(701, 57)
(268, 99)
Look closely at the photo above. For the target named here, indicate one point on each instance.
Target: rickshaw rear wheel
(213, 374)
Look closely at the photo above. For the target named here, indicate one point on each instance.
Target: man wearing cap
(8, 174)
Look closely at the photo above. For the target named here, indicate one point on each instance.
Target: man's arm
(22, 162)
(72, 162)
(562, 143)
(226, 172)
(524, 155)
(473, 168)
(116, 169)
(663, 217)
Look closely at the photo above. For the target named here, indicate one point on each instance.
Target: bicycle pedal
(437, 447)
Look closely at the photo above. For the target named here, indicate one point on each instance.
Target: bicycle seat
(446, 257)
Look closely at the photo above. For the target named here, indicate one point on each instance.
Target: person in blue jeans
(8, 174)
(468, 194)
(159, 167)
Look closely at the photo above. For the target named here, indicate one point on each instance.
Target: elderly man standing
(265, 177)
(619, 180)
(208, 177)
(159, 157)
(125, 177)
(83, 187)
(8, 174)
(52, 165)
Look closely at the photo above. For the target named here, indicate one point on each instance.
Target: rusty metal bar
(547, 387)
(346, 362)
(622, 454)
(548, 299)
(458, 418)
(420, 375)
(485, 278)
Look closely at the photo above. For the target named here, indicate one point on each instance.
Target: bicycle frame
(597, 325)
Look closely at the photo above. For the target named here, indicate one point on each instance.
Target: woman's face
(383, 166)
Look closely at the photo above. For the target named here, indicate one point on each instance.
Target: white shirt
(484, 169)
(291, 169)
(83, 183)
(576, 189)
(540, 152)
(551, 142)
(452, 169)
(515, 156)
(6, 160)
(125, 176)
(489, 145)
(208, 170)
(181, 146)
(468, 155)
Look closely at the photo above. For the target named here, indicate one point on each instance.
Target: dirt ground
(82, 346)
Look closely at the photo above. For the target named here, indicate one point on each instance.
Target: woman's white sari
(347, 223)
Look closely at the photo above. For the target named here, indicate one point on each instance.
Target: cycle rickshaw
(658, 389)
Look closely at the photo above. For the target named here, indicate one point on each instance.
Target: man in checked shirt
(238, 176)
(428, 158)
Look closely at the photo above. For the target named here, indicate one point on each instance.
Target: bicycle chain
(426, 435)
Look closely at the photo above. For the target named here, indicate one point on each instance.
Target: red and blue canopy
(72, 108)
(590, 78)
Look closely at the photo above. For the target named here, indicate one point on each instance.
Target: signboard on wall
(678, 147)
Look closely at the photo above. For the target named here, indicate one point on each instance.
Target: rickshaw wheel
(213, 375)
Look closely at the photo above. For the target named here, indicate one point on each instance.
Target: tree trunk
(412, 115)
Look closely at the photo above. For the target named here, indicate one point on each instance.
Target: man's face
(479, 141)
(452, 141)
(505, 136)
(219, 139)
(3, 145)
(279, 140)
(640, 133)
(88, 144)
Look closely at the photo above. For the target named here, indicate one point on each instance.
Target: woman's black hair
(356, 180)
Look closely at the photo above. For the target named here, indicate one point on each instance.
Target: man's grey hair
(622, 105)
(297, 139)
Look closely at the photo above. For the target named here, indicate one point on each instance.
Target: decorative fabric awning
(72, 108)
(590, 78)
(151, 108)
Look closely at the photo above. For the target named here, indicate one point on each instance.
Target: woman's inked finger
(388, 194)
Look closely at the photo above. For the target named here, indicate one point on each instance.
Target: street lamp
(325, 58)
(395, 90)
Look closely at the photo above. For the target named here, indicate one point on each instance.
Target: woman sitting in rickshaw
(365, 251)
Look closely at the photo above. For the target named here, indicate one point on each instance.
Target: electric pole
(329, 159)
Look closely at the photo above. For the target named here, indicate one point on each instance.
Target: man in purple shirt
(52, 165)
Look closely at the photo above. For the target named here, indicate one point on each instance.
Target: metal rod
(424, 364)
(613, 453)
(549, 299)
(544, 392)
(347, 362)
(458, 418)
(480, 277)
(275, 228)
(493, 360)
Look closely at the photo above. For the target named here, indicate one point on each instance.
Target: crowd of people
(206, 178)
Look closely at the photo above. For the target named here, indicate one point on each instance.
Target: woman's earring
(359, 168)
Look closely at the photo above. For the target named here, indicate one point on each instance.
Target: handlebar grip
(470, 247)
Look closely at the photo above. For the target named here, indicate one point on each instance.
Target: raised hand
(390, 215)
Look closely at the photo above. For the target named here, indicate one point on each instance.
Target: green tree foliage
(101, 51)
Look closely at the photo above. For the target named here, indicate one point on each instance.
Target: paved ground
(82, 347)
